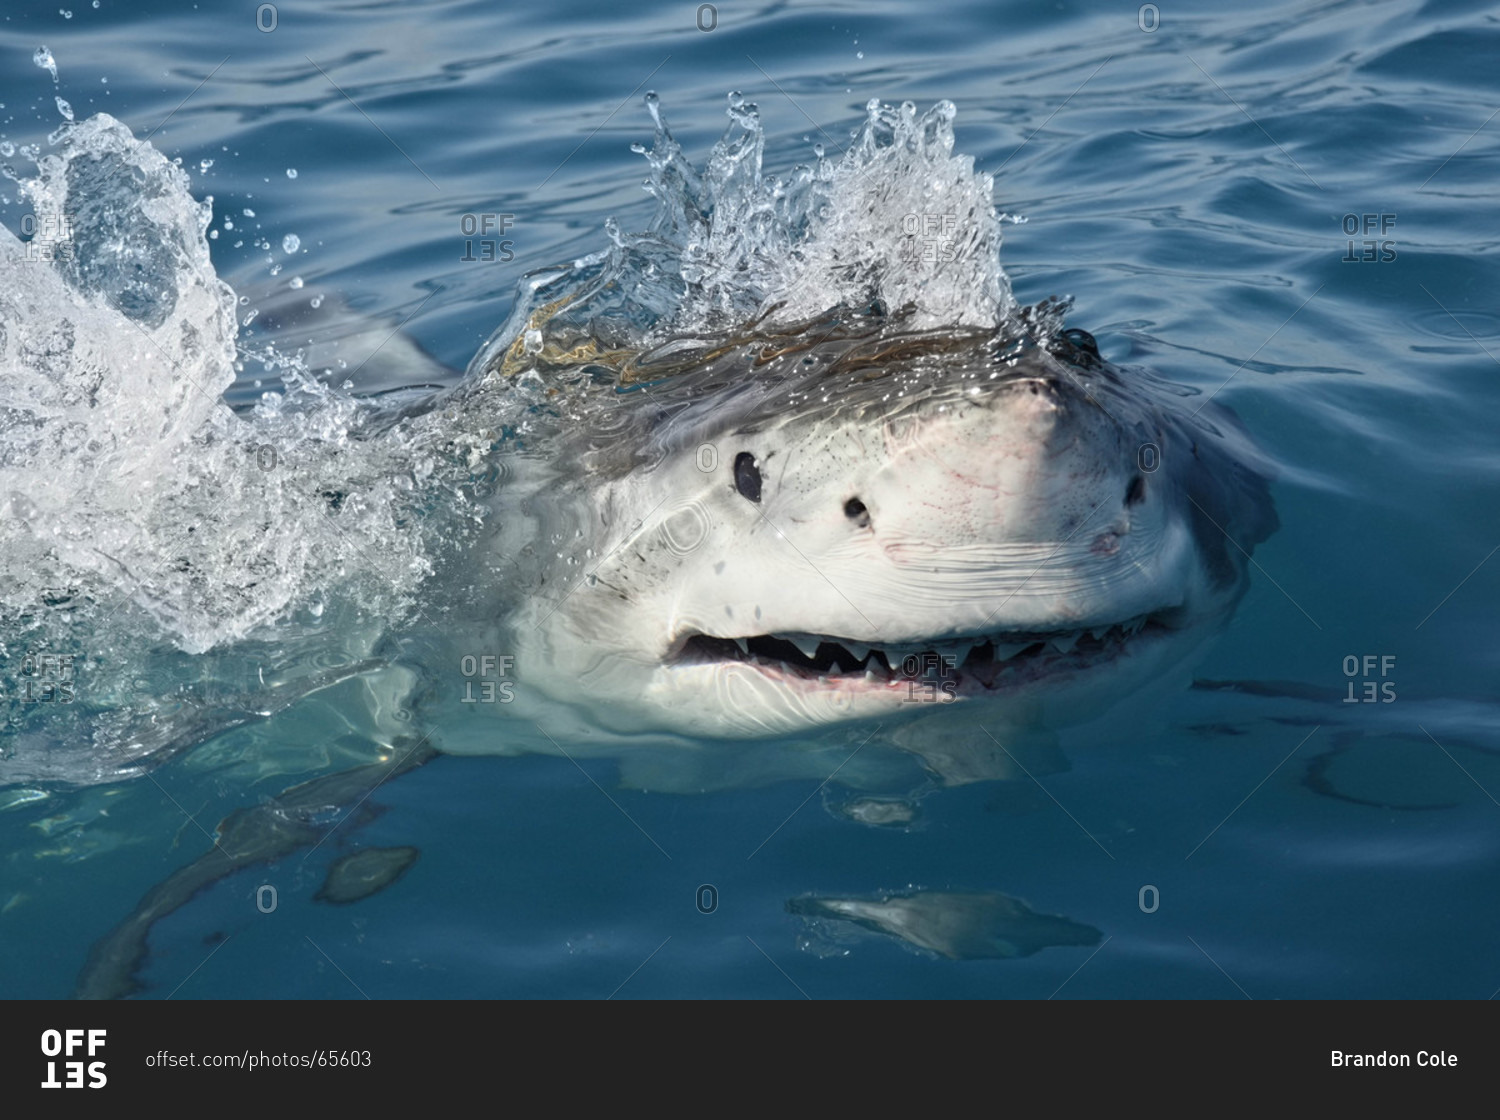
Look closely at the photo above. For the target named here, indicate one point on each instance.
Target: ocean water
(1284, 209)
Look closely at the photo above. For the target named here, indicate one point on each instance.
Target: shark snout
(1033, 464)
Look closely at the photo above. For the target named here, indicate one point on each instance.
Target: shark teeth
(806, 645)
(982, 659)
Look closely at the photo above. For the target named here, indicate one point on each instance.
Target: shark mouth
(969, 665)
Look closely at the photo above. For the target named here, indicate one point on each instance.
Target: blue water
(1191, 187)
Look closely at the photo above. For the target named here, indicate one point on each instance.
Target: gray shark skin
(958, 925)
(297, 818)
(363, 873)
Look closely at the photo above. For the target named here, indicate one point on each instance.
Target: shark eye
(747, 476)
(1137, 492)
(855, 511)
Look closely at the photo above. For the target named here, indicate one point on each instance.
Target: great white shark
(845, 519)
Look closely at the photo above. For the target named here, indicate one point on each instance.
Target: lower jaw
(892, 692)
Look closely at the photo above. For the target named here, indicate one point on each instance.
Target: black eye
(1083, 341)
(1137, 491)
(747, 476)
(855, 511)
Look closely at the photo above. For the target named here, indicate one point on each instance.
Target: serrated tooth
(859, 649)
(897, 656)
(1064, 644)
(744, 645)
(808, 646)
(1098, 632)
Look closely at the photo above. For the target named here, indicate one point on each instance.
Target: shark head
(843, 523)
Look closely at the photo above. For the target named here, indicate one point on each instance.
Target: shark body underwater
(820, 507)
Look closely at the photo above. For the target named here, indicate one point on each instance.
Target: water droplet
(204, 165)
(64, 13)
(291, 243)
(296, 282)
(859, 54)
(43, 58)
(317, 301)
(249, 213)
(65, 109)
(291, 172)
(228, 223)
(7, 149)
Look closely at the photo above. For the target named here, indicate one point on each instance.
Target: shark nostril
(747, 476)
(855, 511)
(1137, 491)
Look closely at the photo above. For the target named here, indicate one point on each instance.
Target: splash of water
(896, 217)
(126, 483)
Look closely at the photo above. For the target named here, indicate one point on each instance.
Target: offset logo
(1362, 671)
(74, 1045)
(491, 670)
